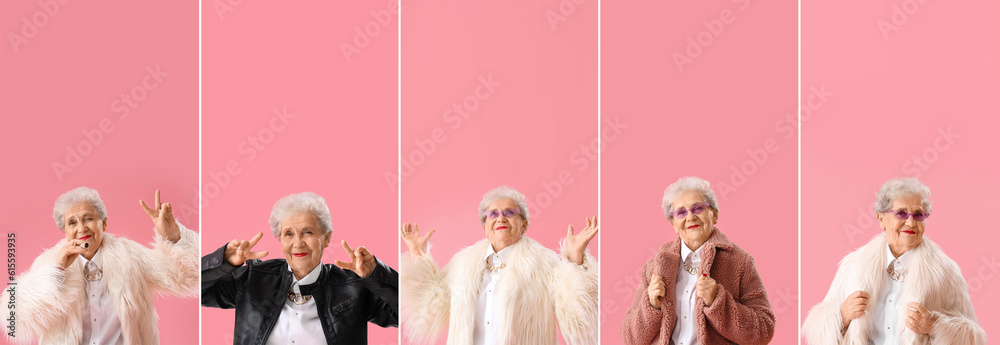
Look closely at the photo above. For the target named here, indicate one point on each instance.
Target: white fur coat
(50, 302)
(539, 290)
(932, 279)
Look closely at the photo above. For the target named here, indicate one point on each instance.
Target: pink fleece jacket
(740, 313)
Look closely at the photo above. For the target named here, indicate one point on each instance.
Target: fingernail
(705, 275)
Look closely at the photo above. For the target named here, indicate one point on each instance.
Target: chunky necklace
(298, 298)
(691, 269)
(92, 275)
(897, 276)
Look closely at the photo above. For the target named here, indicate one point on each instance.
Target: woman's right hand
(656, 290)
(414, 242)
(854, 307)
(238, 252)
(69, 251)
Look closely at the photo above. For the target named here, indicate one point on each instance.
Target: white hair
(504, 192)
(76, 196)
(901, 187)
(685, 184)
(305, 201)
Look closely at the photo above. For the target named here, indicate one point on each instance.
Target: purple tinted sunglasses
(683, 212)
(903, 215)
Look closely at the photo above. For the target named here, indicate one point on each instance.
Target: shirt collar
(308, 279)
(96, 259)
(497, 257)
(695, 259)
(899, 264)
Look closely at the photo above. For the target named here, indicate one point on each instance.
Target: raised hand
(656, 290)
(362, 262)
(69, 251)
(238, 252)
(706, 288)
(576, 245)
(854, 307)
(414, 242)
(163, 217)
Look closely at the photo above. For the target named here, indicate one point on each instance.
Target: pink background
(66, 80)
(537, 124)
(261, 56)
(737, 96)
(892, 99)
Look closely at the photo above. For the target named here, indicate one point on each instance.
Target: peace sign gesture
(238, 252)
(362, 262)
(163, 217)
(576, 245)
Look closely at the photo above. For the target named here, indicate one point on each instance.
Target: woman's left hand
(362, 262)
(919, 319)
(163, 217)
(576, 245)
(706, 289)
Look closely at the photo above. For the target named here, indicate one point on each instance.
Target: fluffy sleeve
(576, 298)
(174, 266)
(425, 298)
(959, 324)
(823, 324)
(643, 323)
(41, 298)
(745, 318)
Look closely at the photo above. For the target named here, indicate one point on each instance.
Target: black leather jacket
(258, 289)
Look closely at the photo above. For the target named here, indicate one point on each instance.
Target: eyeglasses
(903, 215)
(507, 213)
(683, 212)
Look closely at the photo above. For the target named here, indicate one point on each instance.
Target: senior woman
(95, 288)
(300, 300)
(504, 289)
(900, 288)
(700, 288)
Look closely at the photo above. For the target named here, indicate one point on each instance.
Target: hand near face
(706, 288)
(576, 245)
(69, 251)
(656, 290)
(854, 307)
(362, 262)
(238, 252)
(163, 217)
(919, 319)
(414, 242)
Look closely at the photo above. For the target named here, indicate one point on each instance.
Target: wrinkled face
(693, 228)
(302, 241)
(903, 234)
(81, 222)
(503, 231)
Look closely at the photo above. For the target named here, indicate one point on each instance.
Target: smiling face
(302, 241)
(901, 234)
(80, 222)
(694, 229)
(503, 231)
